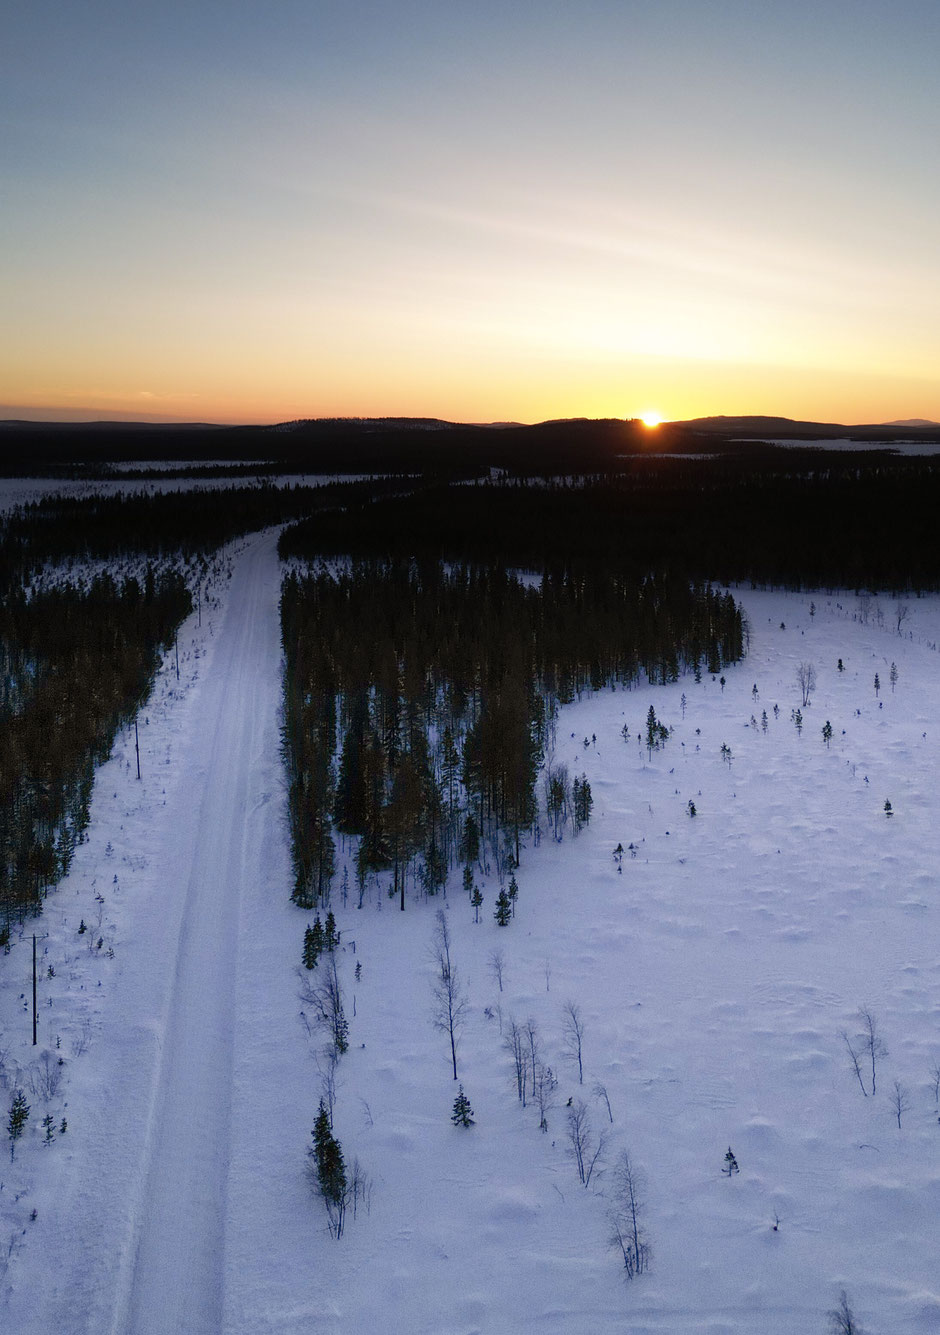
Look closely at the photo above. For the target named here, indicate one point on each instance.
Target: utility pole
(42, 938)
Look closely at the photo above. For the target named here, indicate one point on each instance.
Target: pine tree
(470, 842)
(503, 909)
(463, 1113)
(19, 1116)
(513, 892)
(468, 881)
(583, 802)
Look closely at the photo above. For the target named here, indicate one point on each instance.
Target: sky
(236, 211)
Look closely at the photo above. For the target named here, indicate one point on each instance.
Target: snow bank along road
(141, 1242)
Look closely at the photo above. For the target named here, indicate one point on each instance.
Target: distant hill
(342, 445)
(913, 421)
(785, 428)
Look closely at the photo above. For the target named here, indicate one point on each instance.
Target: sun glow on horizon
(651, 420)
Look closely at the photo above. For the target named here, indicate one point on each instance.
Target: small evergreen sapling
(463, 1113)
(827, 733)
(889, 809)
(513, 893)
(731, 1164)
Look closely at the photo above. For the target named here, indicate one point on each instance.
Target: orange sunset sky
(235, 212)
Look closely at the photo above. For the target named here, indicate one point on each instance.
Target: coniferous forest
(421, 697)
(78, 650)
(421, 702)
(76, 663)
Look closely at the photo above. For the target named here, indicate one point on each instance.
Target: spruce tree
(513, 892)
(311, 952)
(463, 1113)
(731, 1163)
(503, 909)
(19, 1116)
(583, 802)
(330, 934)
(331, 1170)
(476, 899)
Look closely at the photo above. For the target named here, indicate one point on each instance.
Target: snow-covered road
(175, 1282)
(140, 1243)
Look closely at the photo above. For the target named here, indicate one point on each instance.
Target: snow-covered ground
(847, 445)
(715, 974)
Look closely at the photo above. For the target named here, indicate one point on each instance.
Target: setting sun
(651, 419)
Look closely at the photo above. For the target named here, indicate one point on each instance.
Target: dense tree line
(75, 663)
(420, 700)
(796, 519)
(78, 654)
(178, 524)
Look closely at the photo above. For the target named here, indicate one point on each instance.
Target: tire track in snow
(173, 1280)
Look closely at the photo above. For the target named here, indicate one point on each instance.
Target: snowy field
(715, 974)
(915, 449)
